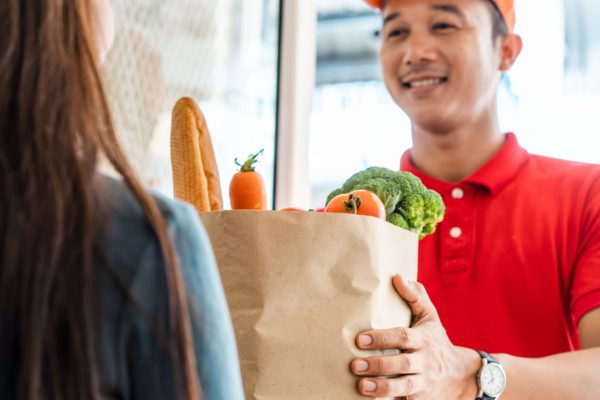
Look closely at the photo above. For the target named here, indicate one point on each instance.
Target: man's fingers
(395, 338)
(399, 364)
(416, 296)
(407, 385)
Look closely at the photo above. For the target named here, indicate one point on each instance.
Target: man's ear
(510, 47)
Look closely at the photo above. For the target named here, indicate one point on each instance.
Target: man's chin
(432, 122)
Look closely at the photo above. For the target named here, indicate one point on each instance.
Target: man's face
(439, 62)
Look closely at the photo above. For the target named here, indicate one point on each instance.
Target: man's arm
(589, 330)
(574, 375)
(430, 367)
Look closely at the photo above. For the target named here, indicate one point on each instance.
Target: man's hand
(429, 367)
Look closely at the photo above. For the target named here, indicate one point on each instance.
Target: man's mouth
(419, 83)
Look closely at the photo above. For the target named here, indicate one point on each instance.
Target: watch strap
(488, 357)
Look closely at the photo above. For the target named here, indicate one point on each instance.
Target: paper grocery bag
(300, 287)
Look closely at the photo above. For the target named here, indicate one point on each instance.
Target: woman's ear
(510, 47)
(105, 27)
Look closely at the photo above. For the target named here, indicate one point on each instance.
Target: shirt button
(458, 193)
(456, 232)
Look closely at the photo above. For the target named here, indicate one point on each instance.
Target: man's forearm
(563, 376)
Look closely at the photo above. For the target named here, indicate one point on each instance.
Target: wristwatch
(491, 378)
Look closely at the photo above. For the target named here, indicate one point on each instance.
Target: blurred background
(222, 53)
(226, 55)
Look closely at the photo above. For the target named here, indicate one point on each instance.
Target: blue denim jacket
(132, 362)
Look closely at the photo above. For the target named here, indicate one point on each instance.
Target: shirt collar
(494, 175)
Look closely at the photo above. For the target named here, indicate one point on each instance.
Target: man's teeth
(425, 82)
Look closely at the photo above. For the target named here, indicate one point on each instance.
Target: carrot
(247, 188)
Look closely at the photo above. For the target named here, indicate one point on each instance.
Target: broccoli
(412, 208)
(434, 207)
(359, 177)
(398, 220)
(409, 204)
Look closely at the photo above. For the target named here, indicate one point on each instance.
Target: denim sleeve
(216, 351)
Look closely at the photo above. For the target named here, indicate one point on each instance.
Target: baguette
(195, 172)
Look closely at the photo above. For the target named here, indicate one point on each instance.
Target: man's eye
(397, 33)
(443, 26)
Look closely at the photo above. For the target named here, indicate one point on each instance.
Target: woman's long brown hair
(54, 125)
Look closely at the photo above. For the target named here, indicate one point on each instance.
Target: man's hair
(499, 27)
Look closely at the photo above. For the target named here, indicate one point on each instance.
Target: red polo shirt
(516, 262)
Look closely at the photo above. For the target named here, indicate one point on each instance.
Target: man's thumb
(416, 296)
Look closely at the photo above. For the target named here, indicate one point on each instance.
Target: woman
(105, 292)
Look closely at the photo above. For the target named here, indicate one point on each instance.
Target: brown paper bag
(300, 286)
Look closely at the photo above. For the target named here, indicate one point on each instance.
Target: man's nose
(419, 49)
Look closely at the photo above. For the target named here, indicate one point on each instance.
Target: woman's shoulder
(118, 205)
(126, 236)
(133, 249)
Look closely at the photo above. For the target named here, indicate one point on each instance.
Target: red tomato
(291, 209)
(361, 202)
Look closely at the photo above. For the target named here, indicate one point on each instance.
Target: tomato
(291, 209)
(361, 202)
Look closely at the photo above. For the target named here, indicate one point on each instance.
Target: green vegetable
(398, 220)
(408, 203)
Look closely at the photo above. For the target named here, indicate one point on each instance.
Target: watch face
(492, 380)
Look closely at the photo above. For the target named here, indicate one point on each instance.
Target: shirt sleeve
(216, 351)
(585, 283)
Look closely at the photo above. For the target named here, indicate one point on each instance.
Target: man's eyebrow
(449, 8)
(390, 17)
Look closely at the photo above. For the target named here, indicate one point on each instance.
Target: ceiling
(347, 44)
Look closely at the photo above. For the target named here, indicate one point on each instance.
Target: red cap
(506, 7)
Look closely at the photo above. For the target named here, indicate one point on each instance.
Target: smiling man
(508, 298)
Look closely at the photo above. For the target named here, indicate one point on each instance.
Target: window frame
(295, 85)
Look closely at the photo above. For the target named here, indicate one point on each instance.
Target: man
(514, 269)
